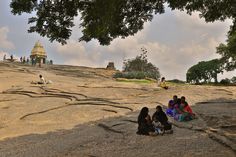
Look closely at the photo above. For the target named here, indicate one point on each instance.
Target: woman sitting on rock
(163, 83)
(184, 112)
(188, 109)
(145, 126)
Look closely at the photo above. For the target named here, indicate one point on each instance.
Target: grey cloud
(5, 44)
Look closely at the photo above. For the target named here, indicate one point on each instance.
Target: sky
(174, 40)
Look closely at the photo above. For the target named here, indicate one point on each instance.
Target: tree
(139, 68)
(233, 80)
(205, 71)
(194, 74)
(106, 20)
(228, 51)
(225, 81)
(141, 64)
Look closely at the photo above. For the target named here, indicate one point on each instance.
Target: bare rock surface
(84, 112)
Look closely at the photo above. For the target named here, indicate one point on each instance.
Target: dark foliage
(225, 81)
(106, 20)
(204, 71)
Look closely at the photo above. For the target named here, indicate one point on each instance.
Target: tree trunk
(215, 77)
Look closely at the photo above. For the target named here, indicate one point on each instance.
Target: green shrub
(225, 81)
(134, 75)
(233, 80)
(118, 75)
(176, 81)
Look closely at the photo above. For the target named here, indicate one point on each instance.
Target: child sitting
(161, 121)
(172, 105)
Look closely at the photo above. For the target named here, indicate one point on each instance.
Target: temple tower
(38, 54)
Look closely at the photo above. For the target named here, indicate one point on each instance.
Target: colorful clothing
(183, 113)
(173, 108)
(183, 117)
(188, 109)
(170, 112)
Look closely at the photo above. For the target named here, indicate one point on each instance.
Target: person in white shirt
(42, 80)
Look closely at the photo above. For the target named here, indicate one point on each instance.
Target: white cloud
(187, 41)
(74, 53)
(199, 51)
(172, 60)
(72, 48)
(4, 42)
(94, 55)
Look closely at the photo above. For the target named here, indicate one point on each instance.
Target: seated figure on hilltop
(163, 83)
(42, 81)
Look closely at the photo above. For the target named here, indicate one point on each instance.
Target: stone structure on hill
(111, 66)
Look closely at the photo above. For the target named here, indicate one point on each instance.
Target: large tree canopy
(106, 20)
(103, 20)
(228, 50)
(205, 71)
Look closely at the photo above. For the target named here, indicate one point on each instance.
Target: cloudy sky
(175, 41)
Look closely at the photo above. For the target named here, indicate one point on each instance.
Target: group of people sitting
(178, 108)
(158, 124)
